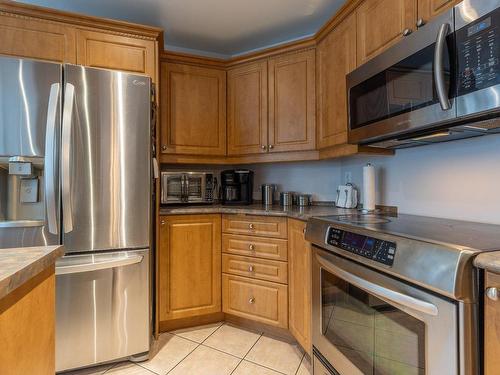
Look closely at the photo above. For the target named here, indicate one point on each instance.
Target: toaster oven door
(195, 187)
(172, 188)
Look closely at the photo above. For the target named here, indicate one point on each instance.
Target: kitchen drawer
(255, 268)
(266, 226)
(268, 248)
(261, 301)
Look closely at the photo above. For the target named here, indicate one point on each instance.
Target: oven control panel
(369, 247)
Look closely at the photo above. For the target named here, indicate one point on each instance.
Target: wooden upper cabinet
(381, 23)
(102, 50)
(37, 39)
(193, 110)
(189, 266)
(336, 57)
(428, 9)
(292, 102)
(299, 281)
(247, 109)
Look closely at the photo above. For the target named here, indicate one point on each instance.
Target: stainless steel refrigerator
(75, 168)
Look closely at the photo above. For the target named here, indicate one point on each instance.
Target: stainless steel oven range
(396, 295)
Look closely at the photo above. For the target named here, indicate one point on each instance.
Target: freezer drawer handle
(87, 267)
(50, 159)
(65, 158)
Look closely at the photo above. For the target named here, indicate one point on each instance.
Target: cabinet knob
(492, 293)
(250, 269)
(164, 148)
(263, 147)
(407, 32)
(250, 226)
(271, 147)
(251, 247)
(420, 22)
(162, 222)
(251, 300)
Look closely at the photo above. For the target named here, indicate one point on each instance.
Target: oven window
(404, 87)
(375, 337)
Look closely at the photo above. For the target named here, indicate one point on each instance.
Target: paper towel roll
(369, 187)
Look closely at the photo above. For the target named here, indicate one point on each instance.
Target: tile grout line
(266, 367)
(182, 360)
(206, 338)
(241, 360)
(298, 368)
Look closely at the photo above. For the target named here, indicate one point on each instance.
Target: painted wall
(459, 180)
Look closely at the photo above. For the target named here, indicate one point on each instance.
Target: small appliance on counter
(347, 196)
(268, 191)
(183, 187)
(237, 186)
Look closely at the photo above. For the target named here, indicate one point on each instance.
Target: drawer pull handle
(492, 294)
(250, 269)
(251, 247)
(250, 226)
(251, 301)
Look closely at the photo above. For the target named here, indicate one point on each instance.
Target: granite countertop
(489, 261)
(18, 265)
(295, 212)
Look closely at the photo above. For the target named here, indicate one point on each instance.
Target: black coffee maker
(237, 186)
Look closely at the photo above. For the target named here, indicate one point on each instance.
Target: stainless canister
(304, 200)
(286, 198)
(268, 194)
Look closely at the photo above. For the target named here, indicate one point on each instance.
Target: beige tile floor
(214, 349)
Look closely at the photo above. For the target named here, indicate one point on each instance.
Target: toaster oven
(187, 187)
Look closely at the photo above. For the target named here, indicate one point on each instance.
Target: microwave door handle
(380, 291)
(439, 80)
(183, 187)
(69, 96)
(187, 188)
(50, 159)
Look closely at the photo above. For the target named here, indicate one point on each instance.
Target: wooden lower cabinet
(261, 301)
(299, 284)
(491, 327)
(266, 226)
(262, 269)
(189, 266)
(27, 327)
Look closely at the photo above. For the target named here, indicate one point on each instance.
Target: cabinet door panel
(108, 51)
(189, 266)
(193, 106)
(336, 58)
(299, 281)
(428, 9)
(491, 328)
(247, 109)
(381, 24)
(35, 39)
(292, 102)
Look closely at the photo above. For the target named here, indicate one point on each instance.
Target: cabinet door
(299, 284)
(108, 51)
(336, 58)
(381, 24)
(193, 110)
(292, 102)
(247, 109)
(189, 266)
(428, 9)
(34, 39)
(491, 328)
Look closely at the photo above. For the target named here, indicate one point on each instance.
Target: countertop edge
(489, 261)
(26, 272)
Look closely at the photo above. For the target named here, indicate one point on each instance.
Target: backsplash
(458, 180)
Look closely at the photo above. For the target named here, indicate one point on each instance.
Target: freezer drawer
(102, 308)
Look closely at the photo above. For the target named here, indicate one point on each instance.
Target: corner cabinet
(189, 266)
(299, 284)
(247, 109)
(381, 24)
(336, 57)
(428, 9)
(193, 110)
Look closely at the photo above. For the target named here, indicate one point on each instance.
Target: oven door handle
(439, 68)
(380, 291)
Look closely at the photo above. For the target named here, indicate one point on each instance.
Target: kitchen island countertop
(18, 265)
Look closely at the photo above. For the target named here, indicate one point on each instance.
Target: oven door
(367, 323)
(408, 88)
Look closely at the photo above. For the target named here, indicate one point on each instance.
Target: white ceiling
(220, 28)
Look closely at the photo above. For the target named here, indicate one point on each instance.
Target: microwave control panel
(369, 247)
(478, 46)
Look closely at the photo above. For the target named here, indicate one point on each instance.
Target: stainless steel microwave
(438, 84)
(188, 187)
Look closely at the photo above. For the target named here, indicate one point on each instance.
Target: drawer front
(261, 301)
(266, 226)
(255, 268)
(268, 248)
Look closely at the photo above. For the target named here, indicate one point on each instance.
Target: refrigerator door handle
(50, 159)
(69, 96)
(95, 266)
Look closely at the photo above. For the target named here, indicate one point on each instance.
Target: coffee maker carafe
(237, 186)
